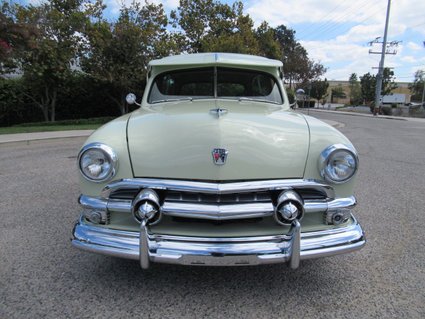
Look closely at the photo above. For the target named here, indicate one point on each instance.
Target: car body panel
(114, 135)
(176, 140)
(323, 135)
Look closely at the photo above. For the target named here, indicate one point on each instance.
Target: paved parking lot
(41, 275)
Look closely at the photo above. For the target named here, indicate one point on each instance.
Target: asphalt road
(41, 275)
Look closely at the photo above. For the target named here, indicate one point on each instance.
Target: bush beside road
(66, 125)
(49, 128)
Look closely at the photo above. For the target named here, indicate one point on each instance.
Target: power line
(312, 26)
(409, 66)
(349, 27)
(339, 19)
(417, 25)
(330, 21)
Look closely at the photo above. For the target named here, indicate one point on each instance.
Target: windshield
(215, 82)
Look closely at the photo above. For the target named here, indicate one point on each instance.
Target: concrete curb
(400, 118)
(27, 137)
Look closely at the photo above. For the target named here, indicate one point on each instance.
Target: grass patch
(47, 128)
(95, 120)
(65, 125)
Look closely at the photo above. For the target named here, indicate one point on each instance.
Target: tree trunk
(53, 105)
(119, 103)
(45, 111)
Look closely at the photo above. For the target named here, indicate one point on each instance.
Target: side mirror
(131, 99)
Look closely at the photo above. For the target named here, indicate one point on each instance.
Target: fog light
(96, 217)
(337, 217)
(146, 207)
(290, 207)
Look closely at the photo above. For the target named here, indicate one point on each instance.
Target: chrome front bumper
(147, 247)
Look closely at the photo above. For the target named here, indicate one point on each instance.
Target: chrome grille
(124, 193)
(217, 201)
(173, 196)
(206, 198)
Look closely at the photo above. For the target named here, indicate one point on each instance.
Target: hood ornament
(219, 156)
(218, 112)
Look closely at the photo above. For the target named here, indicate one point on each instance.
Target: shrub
(386, 110)
(96, 120)
(81, 98)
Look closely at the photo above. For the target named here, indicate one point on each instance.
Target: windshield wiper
(256, 100)
(173, 100)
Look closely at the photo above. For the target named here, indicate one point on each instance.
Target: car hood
(176, 140)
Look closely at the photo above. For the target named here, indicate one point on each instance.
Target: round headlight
(97, 162)
(338, 163)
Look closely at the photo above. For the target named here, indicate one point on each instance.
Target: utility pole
(379, 77)
(423, 90)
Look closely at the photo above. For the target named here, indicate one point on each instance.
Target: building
(402, 88)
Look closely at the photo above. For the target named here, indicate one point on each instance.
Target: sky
(336, 32)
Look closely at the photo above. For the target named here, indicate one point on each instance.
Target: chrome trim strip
(218, 251)
(312, 206)
(217, 188)
(121, 206)
(259, 209)
(338, 203)
(217, 212)
(93, 202)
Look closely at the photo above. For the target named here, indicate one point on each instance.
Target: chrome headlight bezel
(326, 156)
(109, 154)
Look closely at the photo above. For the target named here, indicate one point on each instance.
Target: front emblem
(219, 156)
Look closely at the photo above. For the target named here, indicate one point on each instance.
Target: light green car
(215, 168)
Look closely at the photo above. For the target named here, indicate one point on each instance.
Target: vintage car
(214, 168)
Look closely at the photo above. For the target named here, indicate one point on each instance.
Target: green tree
(297, 67)
(355, 90)
(388, 82)
(209, 26)
(319, 89)
(14, 37)
(193, 19)
(338, 92)
(118, 53)
(417, 87)
(268, 45)
(368, 85)
(46, 65)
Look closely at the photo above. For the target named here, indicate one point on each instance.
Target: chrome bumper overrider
(147, 247)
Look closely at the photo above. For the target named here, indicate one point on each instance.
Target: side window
(261, 85)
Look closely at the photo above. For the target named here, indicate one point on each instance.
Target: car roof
(216, 59)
